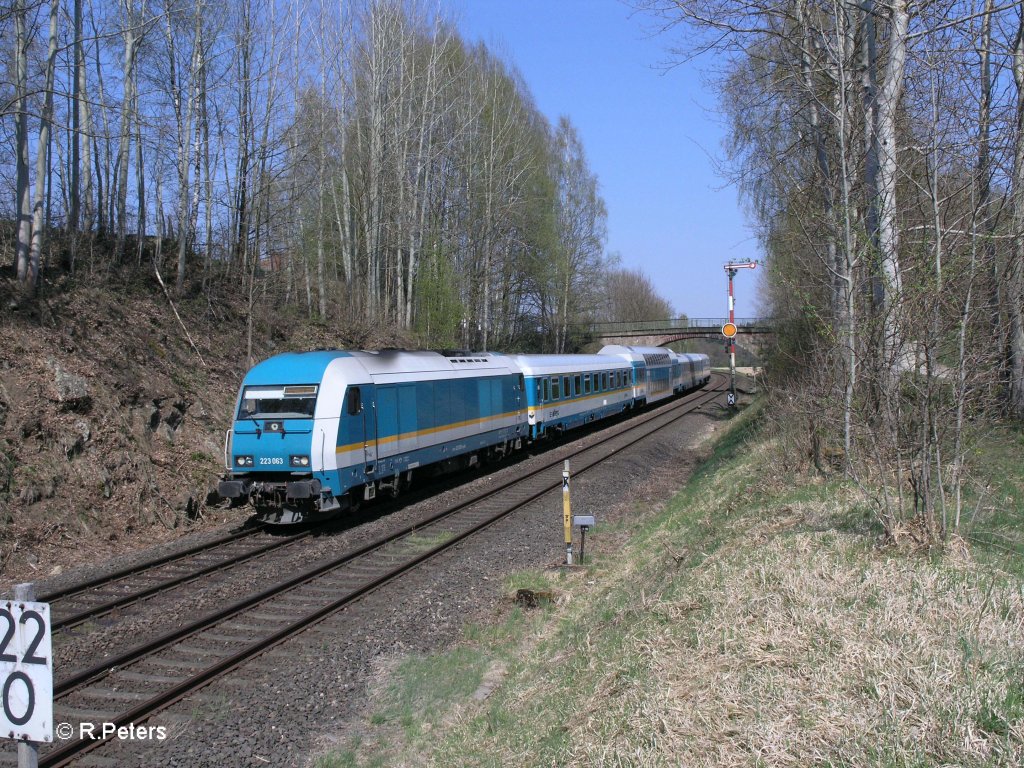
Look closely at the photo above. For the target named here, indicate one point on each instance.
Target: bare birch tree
(22, 261)
(39, 212)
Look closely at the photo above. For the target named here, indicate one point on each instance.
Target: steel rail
(119, 602)
(134, 570)
(68, 752)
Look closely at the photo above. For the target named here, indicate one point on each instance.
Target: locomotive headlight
(299, 461)
(244, 461)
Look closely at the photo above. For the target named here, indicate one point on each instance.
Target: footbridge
(657, 333)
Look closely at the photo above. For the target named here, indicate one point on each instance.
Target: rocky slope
(112, 423)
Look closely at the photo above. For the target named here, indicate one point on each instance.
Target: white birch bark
(889, 95)
(131, 42)
(43, 152)
(24, 228)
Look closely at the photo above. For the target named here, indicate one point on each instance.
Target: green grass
(994, 502)
(424, 685)
(419, 542)
(998, 714)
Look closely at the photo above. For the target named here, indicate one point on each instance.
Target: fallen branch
(156, 271)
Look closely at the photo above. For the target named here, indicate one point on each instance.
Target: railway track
(86, 601)
(131, 686)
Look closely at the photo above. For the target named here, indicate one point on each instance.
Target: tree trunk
(187, 197)
(85, 132)
(24, 230)
(1015, 272)
(77, 97)
(888, 230)
(128, 100)
(43, 152)
(140, 189)
(321, 194)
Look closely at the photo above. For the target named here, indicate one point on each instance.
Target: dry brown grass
(808, 649)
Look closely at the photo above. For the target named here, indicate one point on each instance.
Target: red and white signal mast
(729, 329)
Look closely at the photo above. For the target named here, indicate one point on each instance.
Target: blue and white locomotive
(316, 433)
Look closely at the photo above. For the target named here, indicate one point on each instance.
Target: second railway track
(88, 600)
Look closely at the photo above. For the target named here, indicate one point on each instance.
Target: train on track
(316, 433)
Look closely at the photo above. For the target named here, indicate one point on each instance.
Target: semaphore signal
(729, 329)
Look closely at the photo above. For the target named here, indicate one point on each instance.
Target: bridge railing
(668, 326)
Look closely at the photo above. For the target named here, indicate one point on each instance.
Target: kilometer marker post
(26, 671)
(566, 513)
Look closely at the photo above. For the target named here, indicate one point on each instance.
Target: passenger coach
(652, 371)
(566, 391)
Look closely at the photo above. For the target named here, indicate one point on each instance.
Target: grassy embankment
(754, 620)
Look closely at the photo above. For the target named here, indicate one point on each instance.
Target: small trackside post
(567, 513)
(584, 523)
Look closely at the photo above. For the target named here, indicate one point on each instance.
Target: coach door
(359, 427)
(369, 427)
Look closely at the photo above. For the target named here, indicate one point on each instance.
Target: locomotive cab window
(353, 401)
(278, 402)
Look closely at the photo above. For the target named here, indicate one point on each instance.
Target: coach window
(547, 391)
(586, 383)
(604, 381)
(540, 396)
(566, 387)
(555, 390)
(354, 401)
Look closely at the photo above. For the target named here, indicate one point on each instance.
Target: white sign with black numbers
(26, 671)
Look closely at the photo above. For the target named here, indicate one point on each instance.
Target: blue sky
(650, 136)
